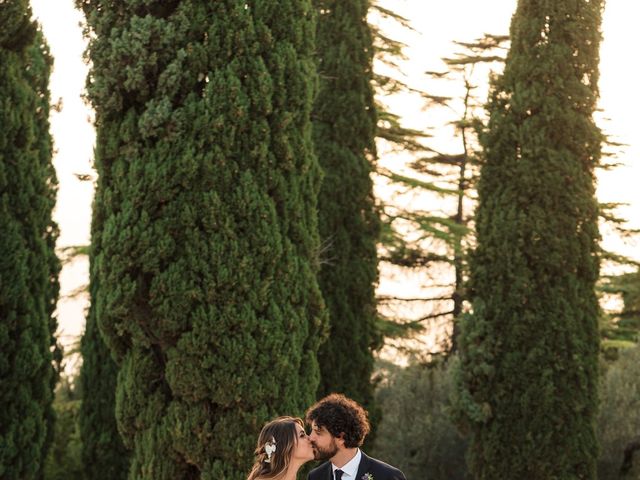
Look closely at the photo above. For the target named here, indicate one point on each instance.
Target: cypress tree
(103, 453)
(208, 242)
(529, 352)
(344, 127)
(29, 266)
(38, 71)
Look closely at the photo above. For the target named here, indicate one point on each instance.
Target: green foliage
(619, 416)
(37, 73)
(621, 329)
(207, 231)
(435, 241)
(344, 126)
(416, 433)
(528, 377)
(389, 80)
(29, 266)
(103, 453)
(64, 458)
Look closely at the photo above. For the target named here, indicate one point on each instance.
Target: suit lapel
(364, 466)
(329, 475)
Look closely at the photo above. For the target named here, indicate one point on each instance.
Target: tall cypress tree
(29, 266)
(208, 244)
(37, 72)
(103, 453)
(344, 132)
(529, 352)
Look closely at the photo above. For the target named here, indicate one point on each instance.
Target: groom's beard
(325, 454)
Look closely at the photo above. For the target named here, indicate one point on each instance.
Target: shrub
(619, 418)
(416, 433)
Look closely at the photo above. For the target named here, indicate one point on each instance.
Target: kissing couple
(338, 428)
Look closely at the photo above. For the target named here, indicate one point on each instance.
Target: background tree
(29, 266)
(529, 353)
(620, 328)
(619, 418)
(430, 236)
(344, 127)
(388, 81)
(206, 266)
(88, 410)
(37, 73)
(64, 458)
(434, 235)
(416, 433)
(388, 78)
(103, 453)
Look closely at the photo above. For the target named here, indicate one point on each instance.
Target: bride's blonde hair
(283, 432)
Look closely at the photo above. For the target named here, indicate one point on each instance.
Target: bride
(283, 447)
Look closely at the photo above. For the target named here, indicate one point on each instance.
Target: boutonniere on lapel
(367, 476)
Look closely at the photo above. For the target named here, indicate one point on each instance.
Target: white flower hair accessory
(269, 449)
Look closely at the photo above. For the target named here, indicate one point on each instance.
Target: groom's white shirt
(350, 469)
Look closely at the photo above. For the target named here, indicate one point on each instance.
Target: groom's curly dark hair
(341, 416)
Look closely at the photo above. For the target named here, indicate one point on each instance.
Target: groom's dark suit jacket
(378, 470)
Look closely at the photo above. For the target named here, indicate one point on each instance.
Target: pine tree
(344, 125)
(621, 328)
(388, 52)
(426, 241)
(388, 80)
(441, 235)
(29, 266)
(208, 245)
(529, 353)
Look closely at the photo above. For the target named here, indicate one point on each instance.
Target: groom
(338, 427)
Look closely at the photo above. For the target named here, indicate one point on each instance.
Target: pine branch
(389, 298)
